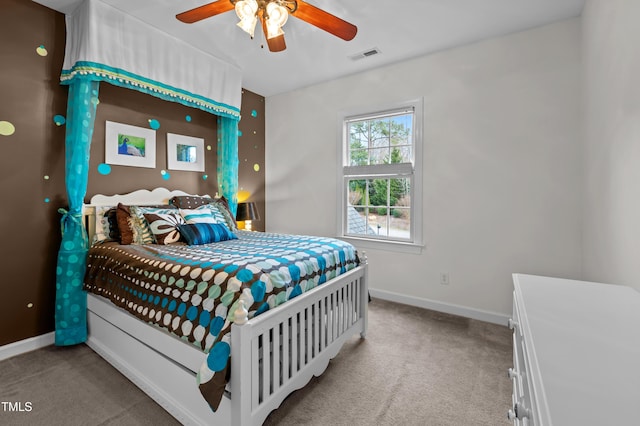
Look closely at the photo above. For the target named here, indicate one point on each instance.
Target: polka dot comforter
(193, 291)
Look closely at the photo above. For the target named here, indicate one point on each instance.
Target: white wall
(502, 163)
(612, 141)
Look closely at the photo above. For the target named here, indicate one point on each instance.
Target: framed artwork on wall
(185, 153)
(127, 145)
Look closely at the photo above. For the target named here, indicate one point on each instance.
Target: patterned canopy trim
(122, 78)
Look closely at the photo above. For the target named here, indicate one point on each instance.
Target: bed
(275, 347)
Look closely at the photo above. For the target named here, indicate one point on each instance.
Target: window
(380, 175)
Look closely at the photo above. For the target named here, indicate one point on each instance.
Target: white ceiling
(314, 56)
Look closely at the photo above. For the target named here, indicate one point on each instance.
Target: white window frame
(345, 171)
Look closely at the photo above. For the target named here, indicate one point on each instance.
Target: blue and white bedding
(193, 291)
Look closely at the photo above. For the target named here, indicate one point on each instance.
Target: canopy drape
(227, 169)
(71, 300)
(104, 44)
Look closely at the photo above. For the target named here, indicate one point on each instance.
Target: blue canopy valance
(104, 44)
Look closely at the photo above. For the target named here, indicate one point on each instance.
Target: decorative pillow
(189, 201)
(123, 216)
(220, 209)
(164, 227)
(106, 225)
(205, 233)
(114, 231)
(142, 233)
(193, 202)
(202, 214)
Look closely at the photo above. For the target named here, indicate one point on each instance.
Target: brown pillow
(122, 216)
(189, 201)
(164, 227)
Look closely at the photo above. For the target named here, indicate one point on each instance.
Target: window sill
(396, 246)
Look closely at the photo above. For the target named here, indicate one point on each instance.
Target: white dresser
(576, 353)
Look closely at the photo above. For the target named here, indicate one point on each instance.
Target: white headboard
(140, 197)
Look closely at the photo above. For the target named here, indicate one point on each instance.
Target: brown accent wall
(32, 159)
(134, 108)
(30, 95)
(251, 154)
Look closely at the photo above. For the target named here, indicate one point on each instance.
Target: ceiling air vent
(367, 53)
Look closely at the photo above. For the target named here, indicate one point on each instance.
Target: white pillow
(102, 224)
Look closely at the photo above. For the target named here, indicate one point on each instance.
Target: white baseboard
(463, 311)
(26, 345)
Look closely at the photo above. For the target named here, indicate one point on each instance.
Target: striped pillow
(222, 215)
(200, 215)
(205, 233)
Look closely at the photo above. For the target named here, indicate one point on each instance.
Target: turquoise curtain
(71, 299)
(227, 170)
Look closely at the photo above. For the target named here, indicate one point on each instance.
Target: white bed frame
(302, 336)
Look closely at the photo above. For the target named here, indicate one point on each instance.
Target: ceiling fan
(272, 14)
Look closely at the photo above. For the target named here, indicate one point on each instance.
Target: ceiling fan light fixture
(248, 25)
(245, 8)
(247, 12)
(276, 17)
(273, 31)
(273, 14)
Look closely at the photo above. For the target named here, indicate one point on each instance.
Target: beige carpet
(416, 367)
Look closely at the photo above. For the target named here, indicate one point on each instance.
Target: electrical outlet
(444, 278)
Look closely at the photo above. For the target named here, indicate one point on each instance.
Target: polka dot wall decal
(46, 200)
(46, 177)
(154, 124)
(59, 120)
(254, 113)
(40, 50)
(30, 305)
(208, 147)
(188, 118)
(205, 177)
(104, 169)
(7, 128)
(256, 167)
(165, 174)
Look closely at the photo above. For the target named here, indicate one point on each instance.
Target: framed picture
(185, 153)
(127, 145)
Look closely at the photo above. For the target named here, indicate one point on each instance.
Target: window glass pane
(379, 156)
(359, 157)
(358, 222)
(380, 207)
(382, 136)
(401, 126)
(378, 193)
(357, 191)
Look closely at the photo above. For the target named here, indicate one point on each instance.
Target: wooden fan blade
(205, 11)
(325, 21)
(276, 44)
